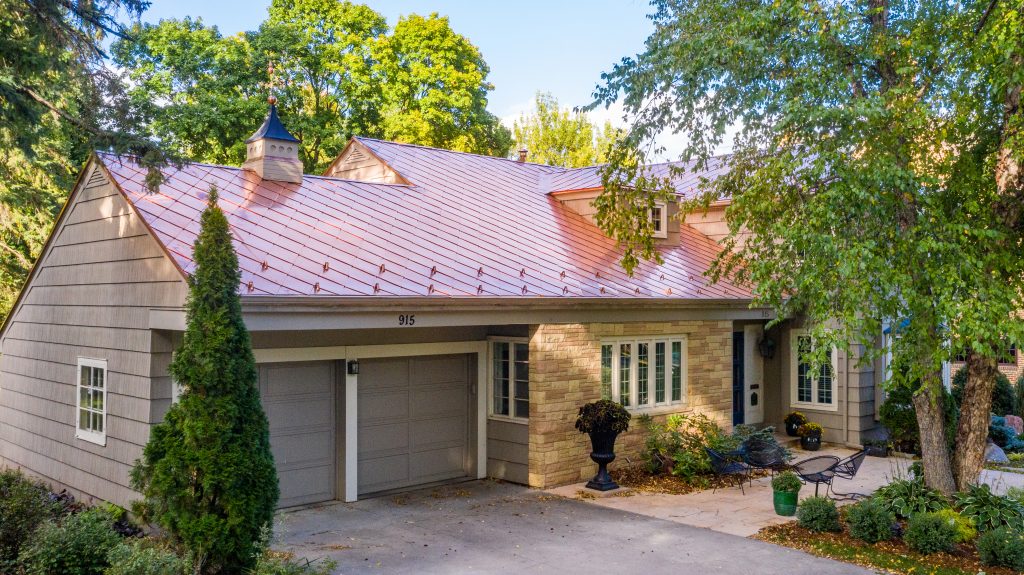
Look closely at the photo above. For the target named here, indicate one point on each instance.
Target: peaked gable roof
(466, 226)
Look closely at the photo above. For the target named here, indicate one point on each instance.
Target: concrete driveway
(491, 527)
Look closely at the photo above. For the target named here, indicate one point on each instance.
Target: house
(418, 315)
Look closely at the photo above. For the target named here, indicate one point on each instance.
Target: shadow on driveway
(492, 527)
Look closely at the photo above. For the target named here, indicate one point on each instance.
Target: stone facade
(565, 372)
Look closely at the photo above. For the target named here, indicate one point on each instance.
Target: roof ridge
(406, 144)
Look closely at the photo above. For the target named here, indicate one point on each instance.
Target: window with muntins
(814, 386)
(644, 373)
(510, 379)
(92, 400)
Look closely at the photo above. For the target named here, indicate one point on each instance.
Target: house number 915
(407, 319)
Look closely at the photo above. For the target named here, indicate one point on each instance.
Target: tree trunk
(975, 410)
(928, 404)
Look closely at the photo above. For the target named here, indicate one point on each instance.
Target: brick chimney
(522, 154)
(272, 152)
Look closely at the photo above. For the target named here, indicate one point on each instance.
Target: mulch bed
(638, 479)
(888, 556)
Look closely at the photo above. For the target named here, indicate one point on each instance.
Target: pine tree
(207, 473)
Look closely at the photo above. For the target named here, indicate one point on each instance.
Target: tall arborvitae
(207, 474)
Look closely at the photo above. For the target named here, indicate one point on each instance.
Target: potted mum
(603, 420)
(810, 436)
(785, 490)
(793, 422)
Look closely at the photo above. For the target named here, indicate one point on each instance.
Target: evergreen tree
(207, 473)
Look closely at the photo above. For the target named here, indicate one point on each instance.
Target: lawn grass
(890, 556)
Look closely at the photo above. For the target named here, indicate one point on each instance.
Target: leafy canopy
(562, 137)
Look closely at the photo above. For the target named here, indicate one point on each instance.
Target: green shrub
(929, 533)
(1018, 395)
(870, 521)
(78, 545)
(908, 497)
(787, 482)
(897, 414)
(1004, 397)
(24, 506)
(1004, 436)
(1016, 493)
(145, 557)
(677, 446)
(271, 564)
(988, 510)
(964, 526)
(818, 514)
(1002, 547)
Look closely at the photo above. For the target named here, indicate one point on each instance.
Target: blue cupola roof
(272, 128)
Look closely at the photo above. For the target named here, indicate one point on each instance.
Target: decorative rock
(1016, 423)
(995, 454)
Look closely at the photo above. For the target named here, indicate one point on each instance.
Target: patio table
(816, 470)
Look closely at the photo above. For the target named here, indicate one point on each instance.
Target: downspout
(846, 404)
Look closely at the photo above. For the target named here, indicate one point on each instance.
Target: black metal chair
(760, 453)
(722, 464)
(847, 469)
(817, 470)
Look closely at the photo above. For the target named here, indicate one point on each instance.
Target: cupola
(272, 152)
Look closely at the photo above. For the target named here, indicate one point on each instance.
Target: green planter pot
(785, 502)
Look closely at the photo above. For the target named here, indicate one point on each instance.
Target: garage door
(299, 401)
(413, 421)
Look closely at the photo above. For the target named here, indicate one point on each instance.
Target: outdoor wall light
(353, 367)
(767, 347)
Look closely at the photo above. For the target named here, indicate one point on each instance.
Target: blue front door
(737, 378)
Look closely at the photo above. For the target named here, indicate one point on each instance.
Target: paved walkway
(490, 527)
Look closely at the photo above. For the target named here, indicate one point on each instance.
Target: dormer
(357, 162)
(272, 152)
(663, 216)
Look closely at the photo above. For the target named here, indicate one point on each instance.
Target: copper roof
(467, 226)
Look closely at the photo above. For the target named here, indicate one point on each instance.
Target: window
(815, 388)
(645, 373)
(659, 220)
(1008, 356)
(92, 400)
(510, 379)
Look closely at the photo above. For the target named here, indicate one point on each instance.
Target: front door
(738, 381)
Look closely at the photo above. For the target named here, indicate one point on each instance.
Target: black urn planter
(810, 442)
(791, 429)
(877, 450)
(603, 453)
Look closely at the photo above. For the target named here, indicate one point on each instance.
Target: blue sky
(554, 46)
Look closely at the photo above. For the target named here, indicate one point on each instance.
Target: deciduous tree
(562, 137)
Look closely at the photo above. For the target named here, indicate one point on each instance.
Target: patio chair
(759, 453)
(817, 470)
(847, 469)
(722, 464)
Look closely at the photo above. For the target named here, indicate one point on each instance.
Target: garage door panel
(433, 370)
(413, 427)
(376, 440)
(383, 406)
(299, 400)
(314, 412)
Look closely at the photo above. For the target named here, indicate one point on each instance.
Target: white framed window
(814, 388)
(659, 220)
(644, 373)
(91, 407)
(509, 379)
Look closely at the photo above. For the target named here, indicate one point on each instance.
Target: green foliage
(988, 510)
(929, 533)
(870, 521)
(1002, 547)
(270, 564)
(899, 417)
(145, 557)
(1018, 395)
(909, 497)
(818, 514)
(561, 137)
(964, 526)
(602, 416)
(677, 445)
(24, 506)
(1004, 436)
(787, 482)
(77, 545)
(339, 72)
(1004, 397)
(207, 473)
(1016, 493)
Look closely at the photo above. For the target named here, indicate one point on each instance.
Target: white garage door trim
(354, 353)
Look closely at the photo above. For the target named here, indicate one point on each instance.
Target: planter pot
(811, 442)
(791, 429)
(603, 453)
(877, 451)
(785, 502)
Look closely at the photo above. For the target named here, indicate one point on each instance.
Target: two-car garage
(415, 423)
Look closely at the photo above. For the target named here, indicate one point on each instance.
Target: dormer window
(659, 220)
